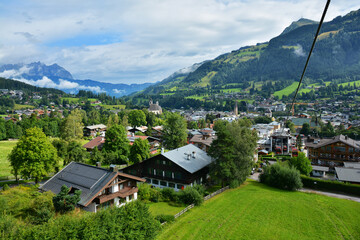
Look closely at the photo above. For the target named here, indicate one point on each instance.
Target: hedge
(332, 186)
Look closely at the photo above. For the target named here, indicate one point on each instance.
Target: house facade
(334, 152)
(175, 169)
(100, 187)
(94, 129)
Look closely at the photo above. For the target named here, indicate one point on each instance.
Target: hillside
(17, 85)
(255, 211)
(55, 76)
(271, 66)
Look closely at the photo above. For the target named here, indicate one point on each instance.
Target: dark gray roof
(352, 165)
(89, 179)
(348, 174)
(180, 157)
(338, 138)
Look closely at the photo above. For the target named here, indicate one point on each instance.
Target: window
(148, 180)
(154, 181)
(168, 174)
(130, 197)
(163, 183)
(178, 175)
(121, 186)
(328, 148)
(172, 185)
(340, 149)
(129, 183)
(164, 162)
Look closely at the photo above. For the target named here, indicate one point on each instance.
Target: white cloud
(299, 51)
(140, 41)
(118, 91)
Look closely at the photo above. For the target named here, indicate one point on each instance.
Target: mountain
(299, 23)
(55, 76)
(270, 66)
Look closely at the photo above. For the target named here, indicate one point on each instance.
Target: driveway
(337, 195)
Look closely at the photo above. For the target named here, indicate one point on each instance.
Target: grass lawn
(113, 107)
(286, 91)
(23, 106)
(255, 211)
(164, 208)
(5, 149)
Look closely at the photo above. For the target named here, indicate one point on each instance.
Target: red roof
(96, 142)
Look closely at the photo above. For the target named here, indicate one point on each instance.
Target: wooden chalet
(94, 129)
(176, 169)
(333, 152)
(100, 187)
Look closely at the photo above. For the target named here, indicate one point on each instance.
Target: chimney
(193, 154)
(113, 168)
(98, 164)
(188, 156)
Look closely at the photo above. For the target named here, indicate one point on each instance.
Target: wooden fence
(205, 198)
(215, 193)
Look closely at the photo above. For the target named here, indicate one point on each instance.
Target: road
(255, 177)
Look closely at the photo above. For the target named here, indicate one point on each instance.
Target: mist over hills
(54, 76)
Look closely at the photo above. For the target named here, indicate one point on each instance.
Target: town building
(100, 187)
(93, 130)
(155, 108)
(177, 169)
(333, 152)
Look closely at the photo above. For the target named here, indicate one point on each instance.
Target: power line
(312, 47)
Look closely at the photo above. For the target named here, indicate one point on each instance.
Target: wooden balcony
(123, 193)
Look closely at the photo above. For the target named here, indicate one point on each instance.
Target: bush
(6, 187)
(155, 195)
(169, 194)
(144, 191)
(200, 188)
(332, 186)
(281, 177)
(191, 196)
(165, 218)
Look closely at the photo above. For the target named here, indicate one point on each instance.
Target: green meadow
(255, 211)
(5, 149)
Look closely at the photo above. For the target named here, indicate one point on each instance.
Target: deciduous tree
(33, 156)
(116, 141)
(174, 132)
(73, 126)
(233, 151)
(139, 151)
(137, 118)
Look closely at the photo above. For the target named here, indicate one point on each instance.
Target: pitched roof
(98, 126)
(352, 165)
(199, 139)
(338, 138)
(180, 157)
(348, 174)
(89, 179)
(96, 142)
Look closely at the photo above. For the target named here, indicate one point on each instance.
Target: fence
(215, 193)
(205, 198)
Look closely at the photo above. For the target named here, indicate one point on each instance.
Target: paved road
(255, 176)
(356, 199)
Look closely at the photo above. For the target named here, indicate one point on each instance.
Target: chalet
(181, 167)
(96, 142)
(94, 129)
(204, 139)
(100, 187)
(333, 152)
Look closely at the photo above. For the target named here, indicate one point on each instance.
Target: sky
(139, 41)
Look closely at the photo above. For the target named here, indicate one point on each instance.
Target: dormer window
(129, 183)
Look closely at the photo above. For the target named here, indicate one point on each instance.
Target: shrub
(200, 188)
(333, 186)
(191, 196)
(165, 218)
(169, 194)
(155, 195)
(281, 177)
(6, 187)
(144, 191)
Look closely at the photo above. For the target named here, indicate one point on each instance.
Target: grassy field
(255, 211)
(164, 208)
(205, 80)
(286, 91)
(113, 107)
(5, 149)
(23, 106)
